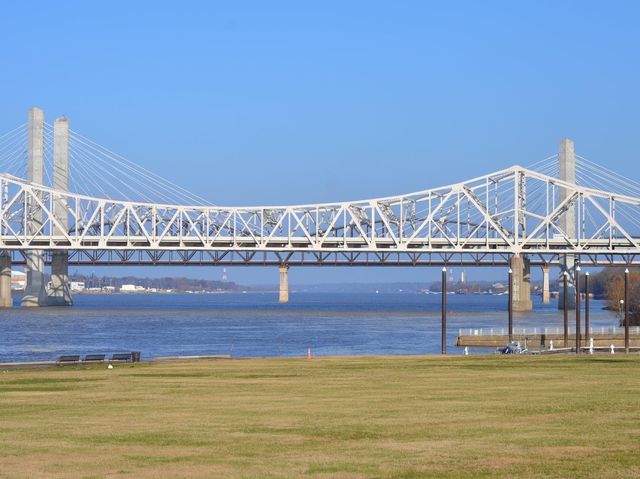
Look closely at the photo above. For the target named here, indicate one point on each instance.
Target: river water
(255, 325)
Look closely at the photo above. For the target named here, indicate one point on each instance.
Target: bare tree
(615, 293)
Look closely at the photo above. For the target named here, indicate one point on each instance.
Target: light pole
(510, 306)
(566, 311)
(444, 310)
(587, 325)
(626, 310)
(577, 282)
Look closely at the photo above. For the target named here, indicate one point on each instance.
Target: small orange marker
(308, 353)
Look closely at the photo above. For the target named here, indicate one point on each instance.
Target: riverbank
(338, 417)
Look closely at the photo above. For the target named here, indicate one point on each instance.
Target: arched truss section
(480, 221)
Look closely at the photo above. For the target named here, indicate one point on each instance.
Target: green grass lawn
(387, 417)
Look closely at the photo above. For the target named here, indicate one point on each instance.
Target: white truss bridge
(106, 219)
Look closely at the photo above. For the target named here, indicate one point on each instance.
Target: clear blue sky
(287, 102)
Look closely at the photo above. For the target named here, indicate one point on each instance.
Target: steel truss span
(252, 258)
(483, 221)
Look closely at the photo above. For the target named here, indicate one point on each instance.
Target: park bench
(94, 358)
(68, 359)
(122, 357)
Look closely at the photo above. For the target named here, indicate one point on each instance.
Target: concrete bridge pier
(35, 294)
(284, 283)
(6, 301)
(567, 265)
(521, 283)
(546, 293)
(59, 295)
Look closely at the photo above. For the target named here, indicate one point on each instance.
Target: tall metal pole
(587, 325)
(510, 307)
(626, 310)
(444, 310)
(577, 283)
(565, 311)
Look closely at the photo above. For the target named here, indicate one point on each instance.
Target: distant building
(76, 286)
(132, 288)
(18, 280)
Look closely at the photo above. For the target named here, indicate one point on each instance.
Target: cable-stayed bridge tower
(35, 294)
(59, 292)
(567, 164)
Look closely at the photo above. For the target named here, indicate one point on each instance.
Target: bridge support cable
(549, 164)
(595, 176)
(126, 180)
(13, 151)
(598, 177)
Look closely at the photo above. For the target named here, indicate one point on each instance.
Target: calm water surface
(255, 325)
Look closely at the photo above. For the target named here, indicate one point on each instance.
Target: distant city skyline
(288, 102)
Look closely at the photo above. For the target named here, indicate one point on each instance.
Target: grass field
(391, 417)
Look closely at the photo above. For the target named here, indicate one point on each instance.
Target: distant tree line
(607, 284)
(177, 284)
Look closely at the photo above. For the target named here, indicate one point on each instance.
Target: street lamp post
(577, 282)
(444, 311)
(587, 325)
(626, 310)
(510, 306)
(566, 310)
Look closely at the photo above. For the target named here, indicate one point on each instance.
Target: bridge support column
(567, 221)
(35, 294)
(284, 283)
(6, 301)
(521, 283)
(546, 293)
(59, 295)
